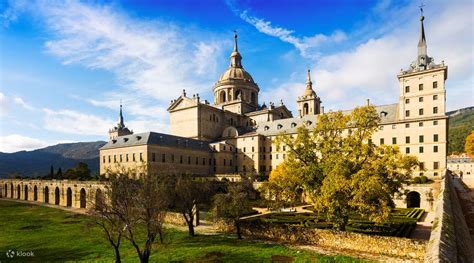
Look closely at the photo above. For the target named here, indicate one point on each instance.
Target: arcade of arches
(75, 194)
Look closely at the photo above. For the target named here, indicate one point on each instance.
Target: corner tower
(309, 103)
(120, 129)
(236, 90)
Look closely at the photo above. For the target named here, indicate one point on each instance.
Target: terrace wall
(450, 239)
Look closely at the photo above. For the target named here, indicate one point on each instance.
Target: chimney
(368, 102)
(322, 109)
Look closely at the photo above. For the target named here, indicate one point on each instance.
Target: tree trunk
(117, 254)
(191, 227)
(237, 227)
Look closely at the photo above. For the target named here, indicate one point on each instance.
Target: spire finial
(121, 115)
(308, 80)
(235, 41)
(422, 50)
(421, 9)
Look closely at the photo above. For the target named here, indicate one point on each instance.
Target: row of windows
(420, 99)
(121, 158)
(421, 149)
(263, 149)
(435, 165)
(421, 139)
(171, 158)
(421, 112)
(421, 87)
(407, 125)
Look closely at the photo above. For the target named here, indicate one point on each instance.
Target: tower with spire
(309, 103)
(422, 85)
(120, 129)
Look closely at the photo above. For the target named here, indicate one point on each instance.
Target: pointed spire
(422, 60)
(235, 57)
(309, 84)
(121, 124)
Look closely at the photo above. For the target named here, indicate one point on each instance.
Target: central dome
(233, 73)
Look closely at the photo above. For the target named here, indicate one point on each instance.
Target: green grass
(54, 234)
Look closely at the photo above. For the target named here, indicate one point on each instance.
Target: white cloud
(68, 121)
(15, 142)
(19, 101)
(3, 104)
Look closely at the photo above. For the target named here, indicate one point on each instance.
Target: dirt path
(423, 227)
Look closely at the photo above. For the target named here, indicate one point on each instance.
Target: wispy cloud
(15, 142)
(73, 122)
(19, 101)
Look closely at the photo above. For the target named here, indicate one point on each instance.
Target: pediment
(181, 103)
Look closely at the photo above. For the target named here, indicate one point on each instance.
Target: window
(421, 138)
(407, 89)
(422, 166)
(394, 126)
(435, 97)
(407, 150)
(126, 157)
(420, 124)
(141, 157)
(109, 158)
(103, 159)
(133, 157)
(435, 110)
(382, 141)
(420, 112)
(420, 99)
(435, 137)
(394, 140)
(435, 84)
(435, 148)
(407, 101)
(436, 165)
(284, 148)
(253, 149)
(153, 157)
(380, 128)
(407, 125)
(420, 87)
(407, 113)
(180, 159)
(163, 158)
(407, 139)
(276, 156)
(189, 160)
(115, 158)
(421, 149)
(435, 122)
(244, 149)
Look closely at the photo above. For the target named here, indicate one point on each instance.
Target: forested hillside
(461, 123)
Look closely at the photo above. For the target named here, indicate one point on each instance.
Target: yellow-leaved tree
(469, 145)
(338, 167)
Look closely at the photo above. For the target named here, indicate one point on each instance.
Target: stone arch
(35, 193)
(222, 96)
(69, 197)
(6, 189)
(83, 198)
(305, 109)
(46, 194)
(11, 190)
(26, 193)
(238, 94)
(18, 192)
(413, 199)
(57, 198)
(99, 198)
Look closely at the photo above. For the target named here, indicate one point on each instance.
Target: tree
(80, 172)
(469, 145)
(283, 187)
(188, 194)
(233, 204)
(59, 174)
(51, 172)
(342, 171)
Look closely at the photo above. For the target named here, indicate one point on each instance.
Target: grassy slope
(54, 234)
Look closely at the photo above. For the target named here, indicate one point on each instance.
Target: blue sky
(65, 65)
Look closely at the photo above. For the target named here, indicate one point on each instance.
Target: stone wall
(450, 240)
(338, 241)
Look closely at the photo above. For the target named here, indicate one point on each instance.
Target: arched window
(69, 197)
(222, 96)
(238, 94)
(253, 98)
(266, 128)
(83, 198)
(279, 126)
(305, 109)
(293, 125)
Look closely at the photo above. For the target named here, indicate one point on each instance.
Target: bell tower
(309, 103)
(120, 129)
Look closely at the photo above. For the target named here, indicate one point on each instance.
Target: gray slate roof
(291, 125)
(154, 138)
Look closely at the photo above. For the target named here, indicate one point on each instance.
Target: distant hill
(461, 123)
(38, 162)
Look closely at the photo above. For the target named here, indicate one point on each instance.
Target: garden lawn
(54, 234)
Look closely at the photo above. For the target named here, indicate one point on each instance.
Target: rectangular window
(253, 149)
(163, 158)
(421, 138)
(407, 101)
(394, 126)
(394, 140)
(420, 112)
(421, 149)
(407, 113)
(276, 156)
(109, 158)
(435, 122)
(180, 159)
(121, 158)
(141, 157)
(407, 89)
(133, 157)
(422, 166)
(435, 97)
(407, 139)
(435, 148)
(244, 149)
(435, 137)
(382, 141)
(420, 87)
(435, 84)
(420, 124)
(407, 150)
(435, 110)
(420, 99)
(103, 159)
(115, 158)
(126, 157)
(407, 125)
(436, 165)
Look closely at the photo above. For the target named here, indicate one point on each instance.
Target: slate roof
(387, 113)
(154, 138)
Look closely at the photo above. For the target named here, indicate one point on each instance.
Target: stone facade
(462, 165)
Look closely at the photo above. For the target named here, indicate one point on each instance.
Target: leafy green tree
(234, 204)
(80, 172)
(469, 145)
(59, 174)
(341, 171)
